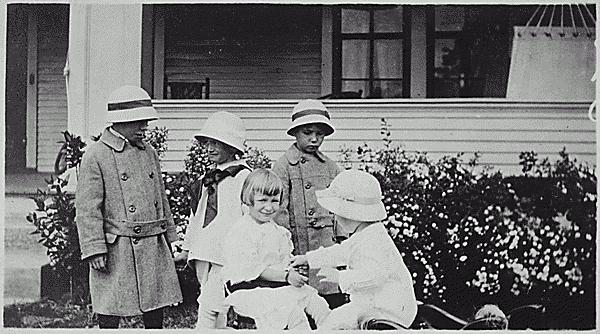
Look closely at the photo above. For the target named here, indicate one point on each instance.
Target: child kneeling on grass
(257, 255)
(377, 280)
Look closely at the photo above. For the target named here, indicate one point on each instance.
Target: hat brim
(311, 119)
(203, 136)
(351, 210)
(132, 115)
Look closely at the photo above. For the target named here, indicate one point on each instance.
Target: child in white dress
(257, 255)
(215, 207)
(377, 280)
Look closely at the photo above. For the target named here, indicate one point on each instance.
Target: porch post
(104, 54)
(418, 52)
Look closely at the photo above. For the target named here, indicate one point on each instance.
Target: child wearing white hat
(377, 280)
(304, 169)
(215, 206)
(123, 218)
(257, 255)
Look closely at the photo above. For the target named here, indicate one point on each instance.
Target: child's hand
(295, 279)
(183, 256)
(298, 260)
(329, 275)
(98, 262)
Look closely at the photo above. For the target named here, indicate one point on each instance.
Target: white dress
(376, 278)
(205, 243)
(248, 250)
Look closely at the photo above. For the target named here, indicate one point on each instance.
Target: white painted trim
(79, 55)
(147, 68)
(418, 52)
(326, 50)
(32, 58)
(391, 104)
(159, 52)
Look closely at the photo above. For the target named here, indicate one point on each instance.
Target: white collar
(116, 133)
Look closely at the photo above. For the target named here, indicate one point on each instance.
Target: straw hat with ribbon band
(226, 128)
(310, 112)
(354, 195)
(129, 104)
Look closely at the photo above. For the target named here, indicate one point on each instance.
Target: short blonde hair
(261, 181)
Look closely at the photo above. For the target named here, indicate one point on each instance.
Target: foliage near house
(478, 238)
(468, 238)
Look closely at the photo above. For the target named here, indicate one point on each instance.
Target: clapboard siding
(53, 40)
(259, 63)
(496, 129)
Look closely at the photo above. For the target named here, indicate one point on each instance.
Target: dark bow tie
(210, 180)
(215, 176)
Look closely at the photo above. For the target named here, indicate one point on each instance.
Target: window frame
(371, 36)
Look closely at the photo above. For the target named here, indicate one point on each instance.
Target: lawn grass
(47, 313)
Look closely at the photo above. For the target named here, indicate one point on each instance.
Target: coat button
(308, 185)
(303, 160)
(124, 177)
(151, 175)
(163, 226)
(313, 221)
(137, 229)
(155, 203)
(131, 208)
(136, 240)
(311, 212)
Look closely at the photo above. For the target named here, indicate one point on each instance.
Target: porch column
(104, 54)
(418, 52)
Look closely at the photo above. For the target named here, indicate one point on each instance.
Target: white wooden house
(439, 75)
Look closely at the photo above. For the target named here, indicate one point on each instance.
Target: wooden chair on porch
(187, 89)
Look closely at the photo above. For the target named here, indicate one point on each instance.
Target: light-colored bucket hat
(310, 112)
(128, 104)
(226, 128)
(355, 195)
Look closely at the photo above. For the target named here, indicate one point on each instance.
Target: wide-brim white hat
(129, 104)
(310, 112)
(226, 128)
(354, 195)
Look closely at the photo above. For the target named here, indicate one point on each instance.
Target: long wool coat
(311, 225)
(123, 211)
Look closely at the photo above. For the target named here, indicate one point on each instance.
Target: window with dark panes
(371, 48)
(471, 51)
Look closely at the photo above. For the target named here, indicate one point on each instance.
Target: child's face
(345, 226)
(309, 137)
(133, 131)
(265, 208)
(219, 152)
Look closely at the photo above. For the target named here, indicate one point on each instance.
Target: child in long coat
(224, 134)
(377, 280)
(304, 169)
(123, 217)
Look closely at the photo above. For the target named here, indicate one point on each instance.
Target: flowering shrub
(471, 239)
(54, 221)
(70, 153)
(157, 138)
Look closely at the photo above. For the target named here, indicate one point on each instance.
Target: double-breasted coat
(311, 225)
(123, 211)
